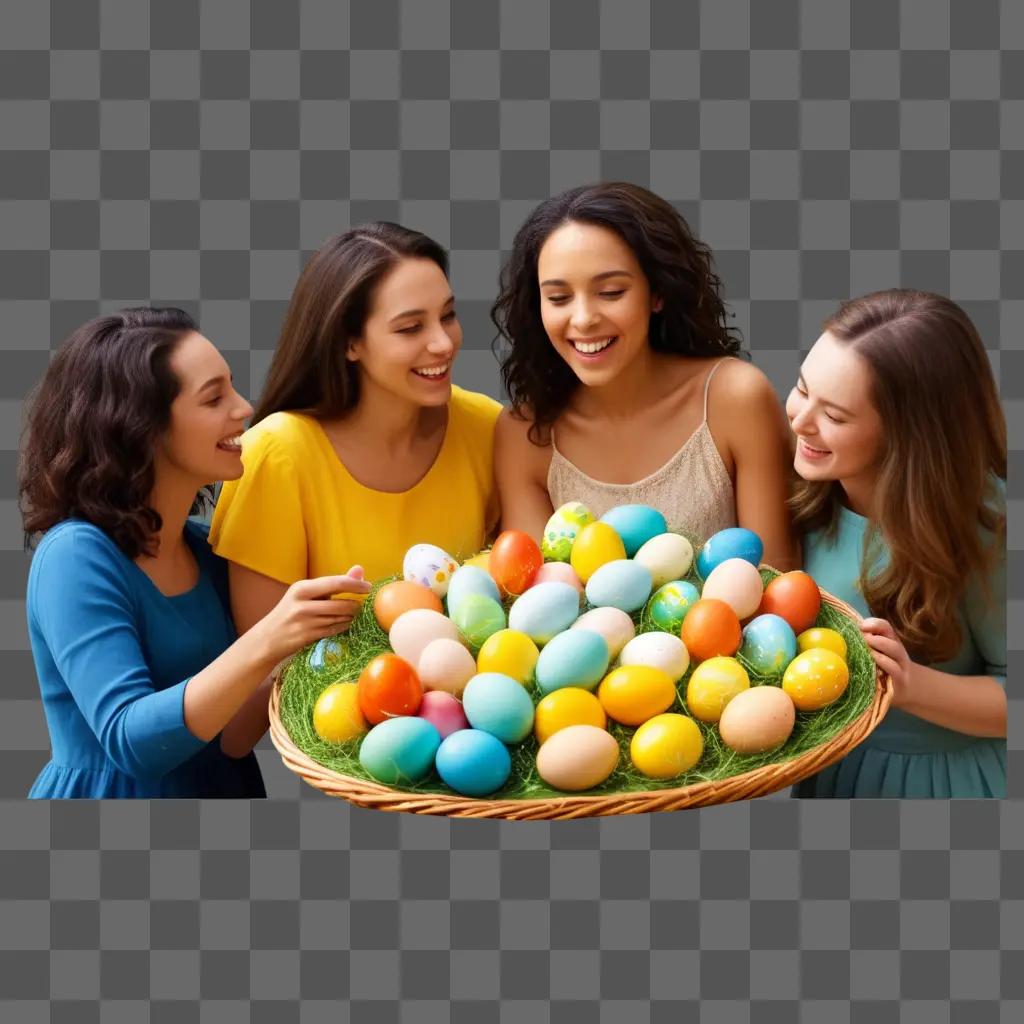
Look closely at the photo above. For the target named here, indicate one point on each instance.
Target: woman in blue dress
(901, 450)
(144, 683)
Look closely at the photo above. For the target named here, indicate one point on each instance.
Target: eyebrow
(211, 382)
(419, 312)
(596, 277)
(833, 405)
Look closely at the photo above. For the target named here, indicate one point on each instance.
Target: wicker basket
(759, 782)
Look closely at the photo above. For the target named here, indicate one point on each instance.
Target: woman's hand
(890, 656)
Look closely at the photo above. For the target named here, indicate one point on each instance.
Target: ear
(656, 304)
(353, 350)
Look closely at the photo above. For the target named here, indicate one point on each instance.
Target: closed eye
(613, 295)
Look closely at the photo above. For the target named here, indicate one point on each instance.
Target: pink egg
(414, 629)
(558, 572)
(446, 665)
(443, 711)
(736, 582)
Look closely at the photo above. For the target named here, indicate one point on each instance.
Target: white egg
(659, 650)
(668, 556)
(736, 582)
(430, 566)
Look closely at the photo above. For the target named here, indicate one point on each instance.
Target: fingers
(325, 586)
(885, 645)
(886, 664)
(877, 627)
(356, 572)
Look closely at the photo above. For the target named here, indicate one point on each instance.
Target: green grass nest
(302, 684)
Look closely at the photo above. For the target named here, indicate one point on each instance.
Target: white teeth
(231, 442)
(590, 347)
(434, 371)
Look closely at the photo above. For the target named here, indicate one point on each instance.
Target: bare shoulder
(738, 383)
(512, 442)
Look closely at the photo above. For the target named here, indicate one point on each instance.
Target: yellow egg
(666, 746)
(595, 545)
(819, 636)
(511, 653)
(336, 714)
(712, 685)
(568, 706)
(816, 678)
(633, 693)
(482, 560)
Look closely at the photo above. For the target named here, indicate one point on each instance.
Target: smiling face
(596, 302)
(411, 335)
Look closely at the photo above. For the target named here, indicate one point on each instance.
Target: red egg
(388, 687)
(515, 559)
(711, 629)
(795, 597)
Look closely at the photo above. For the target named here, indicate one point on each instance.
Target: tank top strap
(707, 385)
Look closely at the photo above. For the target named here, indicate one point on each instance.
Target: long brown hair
(328, 309)
(944, 446)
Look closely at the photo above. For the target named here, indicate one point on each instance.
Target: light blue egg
(497, 704)
(735, 542)
(670, 604)
(473, 762)
(769, 644)
(622, 584)
(545, 610)
(577, 657)
(326, 651)
(635, 524)
(400, 750)
(470, 579)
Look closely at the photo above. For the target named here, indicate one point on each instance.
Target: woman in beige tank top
(626, 384)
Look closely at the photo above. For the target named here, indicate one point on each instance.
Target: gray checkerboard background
(195, 154)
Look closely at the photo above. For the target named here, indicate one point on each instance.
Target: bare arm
(520, 469)
(975, 705)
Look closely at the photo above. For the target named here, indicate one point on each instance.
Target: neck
(628, 391)
(860, 494)
(386, 421)
(172, 497)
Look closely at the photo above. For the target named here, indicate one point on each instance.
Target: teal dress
(906, 756)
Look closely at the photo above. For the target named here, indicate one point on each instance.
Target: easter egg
(473, 762)
(544, 611)
(565, 707)
(820, 636)
(671, 603)
(815, 679)
(481, 561)
(659, 650)
(769, 645)
(499, 705)
(329, 650)
(515, 559)
(443, 711)
(470, 579)
(712, 685)
(478, 617)
(509, 652)
(596, 544)
(734, 542)
(633, 693)
(666, 746)
(562, 529)
(429, 566)
(621, 584)
(445, 665)
(394, 599)
(577, 757)
(795, 596)
(711, 628)
(559, 572)
(336, 714)
(400, 750)
(388, 686)
(668, 556)
(414, 629)
(635, 524)
(612, 623)
(757, 720)
(737, 583)
(576, 657)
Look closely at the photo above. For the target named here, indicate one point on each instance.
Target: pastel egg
(473, 762)
(511, 653)
(757, 720)
(621, 584)
(736, 582)
(414, 629)
(596, 545)
(560, 572)
(659, 650)
(565, 707)
(712, 685)
(612, 623)
(445, 665)
(544, 611)
(430, 566)
(668, 556)
(499, 705)
(336, 714)
(633, 693)
(635, 524)
(666, 746)
(329, 650)
(443, 711)
(815, 679)
(819, 636)
(562, 529)
(400, 750)
(470, 579)
(734, 542)
(671, 603)
(400, 596)
(577, 757)
(478, 617)
(576, 657)
(769, 645)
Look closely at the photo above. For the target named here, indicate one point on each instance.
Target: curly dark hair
(679, 269)
(92, 427)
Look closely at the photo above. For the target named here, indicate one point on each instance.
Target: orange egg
(395, 598)
(711, 629)
(388, 687)
(795, 597)
(514, 561)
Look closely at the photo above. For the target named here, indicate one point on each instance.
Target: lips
(811, 452)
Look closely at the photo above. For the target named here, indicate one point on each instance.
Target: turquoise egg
(473, 762)
(769, 644)
(470, 579)
(400, 750)
(478, 617)
(735, 542)
(622, 584)
(545, 610)
(577, 657)
(497, 704)
(635, 524)
(670, 604)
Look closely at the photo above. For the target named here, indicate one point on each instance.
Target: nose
(441, 343)
(243, 409)
(583, 315)
(803, 421)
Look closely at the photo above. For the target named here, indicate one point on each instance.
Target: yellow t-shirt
(297, 513)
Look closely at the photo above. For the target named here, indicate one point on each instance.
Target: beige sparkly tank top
(692, 490)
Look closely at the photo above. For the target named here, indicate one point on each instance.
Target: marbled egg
(470, 579)
(577, 757)
(734, 542)
(736, 582)
(400, 750)
(445, 665)
(769, 644)
(414, 629)
(621, 584)
(499, 705)
(635, 524)
(671, 603)
(544, 611)
(430, 566)
(562, 529)
(668, 556)
(325, 653)
(576, 657)
(659, 650)
(612, 623)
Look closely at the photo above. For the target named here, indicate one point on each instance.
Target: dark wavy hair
(679, 269)
(328, 309)
(93, 424)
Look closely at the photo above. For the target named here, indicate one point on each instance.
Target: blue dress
(906, 756)
(113, 655)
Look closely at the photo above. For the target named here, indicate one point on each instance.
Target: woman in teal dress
(901, 451)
